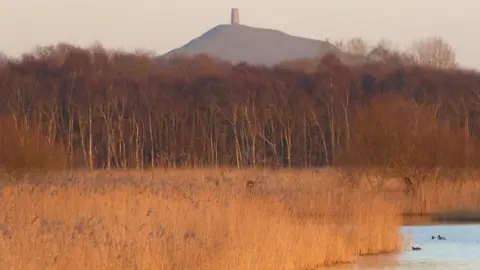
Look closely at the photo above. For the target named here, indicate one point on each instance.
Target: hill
(257, 46)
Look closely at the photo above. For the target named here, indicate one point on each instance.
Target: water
(460, 250)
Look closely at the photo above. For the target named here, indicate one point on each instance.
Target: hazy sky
(162, 25)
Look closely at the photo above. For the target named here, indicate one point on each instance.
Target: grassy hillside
(257, 46)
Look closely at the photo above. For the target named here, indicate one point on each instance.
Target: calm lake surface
(460, 250)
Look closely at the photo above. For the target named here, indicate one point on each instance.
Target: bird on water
(439, 237)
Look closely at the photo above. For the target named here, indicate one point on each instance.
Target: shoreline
(445, 217)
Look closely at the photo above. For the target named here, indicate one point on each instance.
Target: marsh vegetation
(115, 160)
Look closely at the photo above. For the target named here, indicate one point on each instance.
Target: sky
(163, 25)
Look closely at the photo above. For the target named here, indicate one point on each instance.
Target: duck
(416, 248)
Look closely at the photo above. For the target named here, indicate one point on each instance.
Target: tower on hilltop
(235, 17)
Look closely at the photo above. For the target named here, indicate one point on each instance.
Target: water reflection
(460, 250)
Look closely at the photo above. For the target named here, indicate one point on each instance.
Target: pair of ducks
(439, 237)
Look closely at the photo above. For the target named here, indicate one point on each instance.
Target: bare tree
(433, 52)
(121, 110)
(354, 45)
(3, 59)
(387, 52)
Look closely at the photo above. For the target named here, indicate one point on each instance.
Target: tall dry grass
(453, 191)
(443, 196)
(197, 219)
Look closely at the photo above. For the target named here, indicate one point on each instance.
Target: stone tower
(235, 16)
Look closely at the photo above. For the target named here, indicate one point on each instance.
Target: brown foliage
(23, 150)
(393, 131)
(119, 110)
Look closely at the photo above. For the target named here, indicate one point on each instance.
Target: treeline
(94, 108)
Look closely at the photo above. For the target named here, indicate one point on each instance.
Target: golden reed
(191, 219)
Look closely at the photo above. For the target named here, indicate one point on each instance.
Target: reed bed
(191, 219)
(444, 196)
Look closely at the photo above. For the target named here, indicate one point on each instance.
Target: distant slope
(257, 46)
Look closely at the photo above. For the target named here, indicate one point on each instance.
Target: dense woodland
(95, 108)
